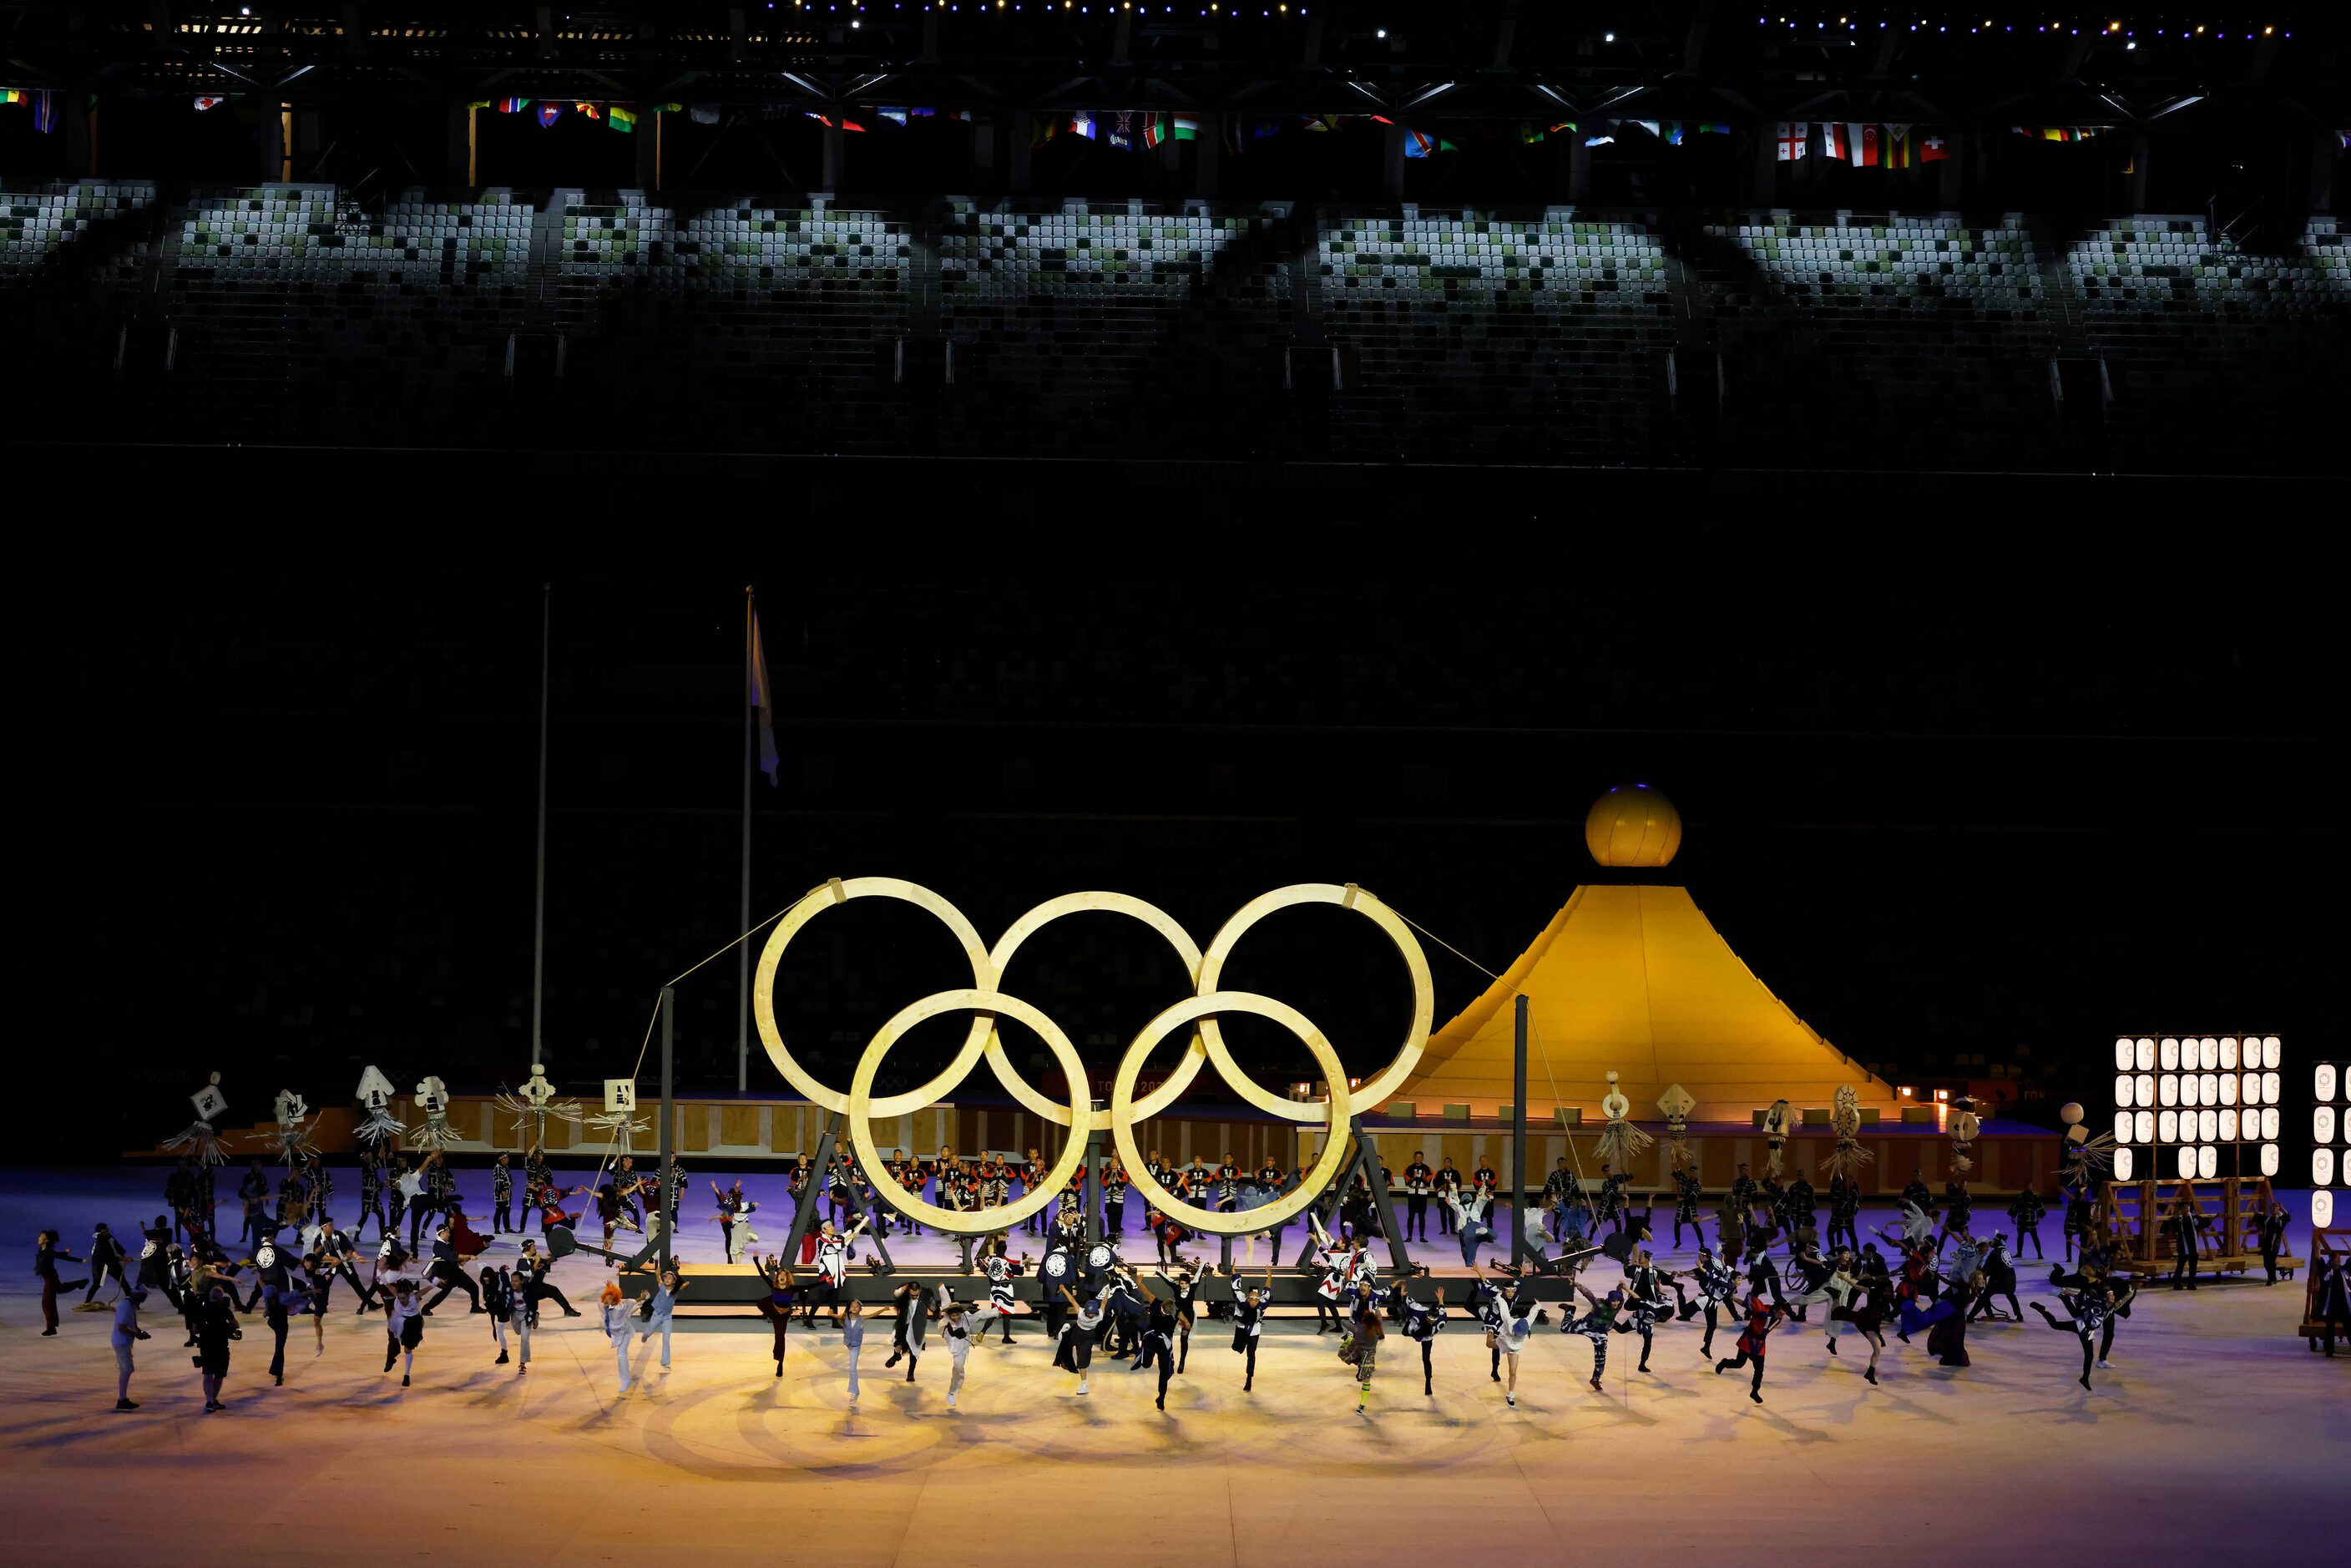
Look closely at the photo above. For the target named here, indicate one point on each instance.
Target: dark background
(1961, 794)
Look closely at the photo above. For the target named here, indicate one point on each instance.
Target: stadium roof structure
(1460, 60)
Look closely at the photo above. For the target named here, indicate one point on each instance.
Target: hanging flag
(209, 100)
(1834, 143)
(704, 113)
(45, 110)
(1082, 124)
(1868, 153)
(1122, 130)
(1323, 121)
(513, 105)
(1188, 128)
(894, 115)
(1712, 129)
(1041, 129)
(1673, 133)
(763, 701)
(623, 117)
(1651, 126)
(1794, 138)
(12, 95)
(1900, 151)
(548, 113)
(1421, 145)
(593, 111)
(1933, 149)
(1153, 130)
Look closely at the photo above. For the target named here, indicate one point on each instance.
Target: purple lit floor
(2215, 1429)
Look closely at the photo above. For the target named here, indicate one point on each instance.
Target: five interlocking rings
(987, 1000)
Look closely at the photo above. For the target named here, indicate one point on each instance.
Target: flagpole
(538, 892)
(743, 910)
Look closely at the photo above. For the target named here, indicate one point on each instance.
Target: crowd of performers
(1768, 1266)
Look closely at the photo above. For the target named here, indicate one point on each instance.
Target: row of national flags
(620, 117)
(1864, 146)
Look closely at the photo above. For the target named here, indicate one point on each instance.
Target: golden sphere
(1633, 825)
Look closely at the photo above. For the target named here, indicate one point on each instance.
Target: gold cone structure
(1638, 980)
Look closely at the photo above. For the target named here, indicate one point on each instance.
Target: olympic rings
(861, 1109)
(1124, 1114)
(1079, 1115)
(763, 986)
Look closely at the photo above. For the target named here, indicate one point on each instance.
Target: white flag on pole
(763, 698)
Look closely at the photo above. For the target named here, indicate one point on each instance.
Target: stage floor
(2216, 1430)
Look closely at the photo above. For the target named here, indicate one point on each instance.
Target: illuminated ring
(1122, 1115)
(763, 1005)
(1028, 925)
(1374, 1090)
(863, 1107)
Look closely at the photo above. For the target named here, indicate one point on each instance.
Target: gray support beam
(1763, 173)
(457, 161)
(271, 139)
(2325, 147)
(1519, 1130)
(1391, 163)
(1016, 153)
(1211, 144)
(1955, 170)
(2135, 177)
(1579, 166)
(666, 1143)
(78, 123)
(648, 138)
(835, 153)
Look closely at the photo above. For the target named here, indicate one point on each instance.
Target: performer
(370, 1191)
(253, 1192)
(1248, 1323)
(915, 1311)
(1958, 1207)
(2273, 1223)
(1186, 1283)
(1644, 1300)
(1844, 1212)
(1761, 1319)
(1114, 1182)
(1362, 1349)
(777, 1308)
(522, 1314)
(1158, 1341)
(1764, 1275)
(2187, 1223)
(1688, 1191)
(310, 1299)
(444, 1268)
(542, 1286)
(2093, 1301)
(1032, 1177)
(1469, 1219)
(852, 1341)
(836, 1187)
(1422, 1322)
(404, 1328)
(1075, 1351)
(1865, 1307)
(833, 1248)
(126, 1334)
(1418, 1181)
(497, 1300)
(2000, 1279)
(2079, 1207)
(48, 1253)
(1718, 1287)
(215, 1325)
(1730, 1225)
(613, 1312)
(105, 1262)
(1508, 1338)
(1446, 1188)
(2330, 1298)
(730, 1204)
(2024, 1212)
(1745, 1194)
(667, 1286)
